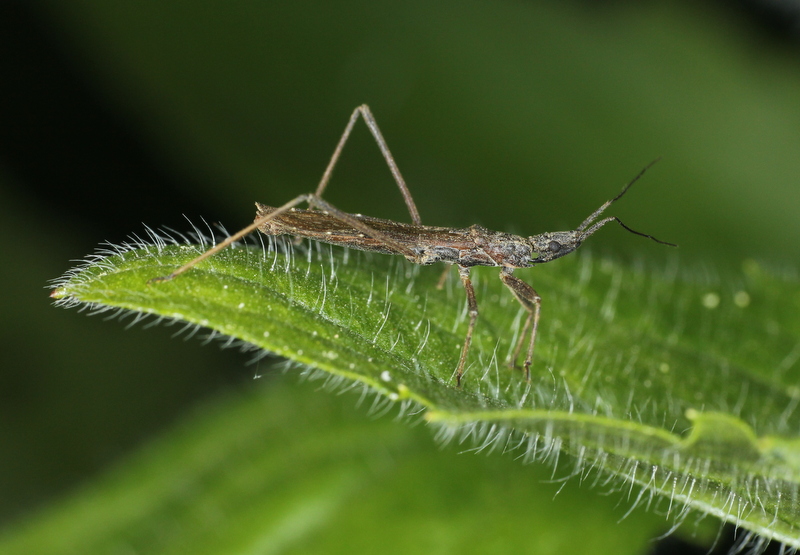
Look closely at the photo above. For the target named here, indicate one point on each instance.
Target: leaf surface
(681, 385)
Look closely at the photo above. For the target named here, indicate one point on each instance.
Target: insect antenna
(604, 221)
(587, 228)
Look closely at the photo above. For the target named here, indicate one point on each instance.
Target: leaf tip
(59, 293)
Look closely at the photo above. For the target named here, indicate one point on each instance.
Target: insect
(422, 244)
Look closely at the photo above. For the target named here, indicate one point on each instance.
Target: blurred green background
(520, 116)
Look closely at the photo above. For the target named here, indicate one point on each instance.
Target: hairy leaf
(665, 379)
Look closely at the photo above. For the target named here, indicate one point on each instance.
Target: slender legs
(527, 297)
(472, 307)
(531, 301)
(369, 119)
(315, 200)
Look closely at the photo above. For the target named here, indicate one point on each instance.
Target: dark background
(520, 116)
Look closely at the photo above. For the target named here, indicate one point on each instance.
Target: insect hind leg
(315, 199)
(369, 119)
(236, 236)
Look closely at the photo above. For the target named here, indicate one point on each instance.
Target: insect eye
(554, 246)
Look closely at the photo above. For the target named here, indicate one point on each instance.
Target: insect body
(421, 244)
(471, 246)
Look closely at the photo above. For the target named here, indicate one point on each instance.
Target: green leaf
(279, 469)
(665, 379)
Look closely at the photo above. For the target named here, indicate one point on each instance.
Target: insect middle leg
(472, 308)
(532, 302)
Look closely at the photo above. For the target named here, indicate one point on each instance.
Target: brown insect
(422, 244)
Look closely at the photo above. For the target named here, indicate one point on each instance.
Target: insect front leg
(472, 308)
(531, 301)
